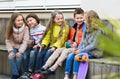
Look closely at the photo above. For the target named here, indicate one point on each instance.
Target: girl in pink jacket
(17, 35)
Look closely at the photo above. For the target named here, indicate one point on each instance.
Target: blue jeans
(69, 63)
(26, 58)
(15, 63)
(42, 57)
(29, 57)
(77, 63)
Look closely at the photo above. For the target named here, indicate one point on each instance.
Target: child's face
(74, 45)
(19, 21)
(32, 22)
(79, 19)
(59, 19)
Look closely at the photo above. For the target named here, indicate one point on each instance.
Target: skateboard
(83, 67)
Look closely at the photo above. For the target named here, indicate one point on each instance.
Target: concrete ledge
(3, 48)
(101, 68)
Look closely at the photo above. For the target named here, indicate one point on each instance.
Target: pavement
(4, 77)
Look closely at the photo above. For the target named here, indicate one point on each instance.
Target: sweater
(37, 33)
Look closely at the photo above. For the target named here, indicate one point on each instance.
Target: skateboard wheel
(84, 58)
(78, 58)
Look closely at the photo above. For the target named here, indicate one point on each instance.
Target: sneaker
(37, 76)
(15, 76)
(48, 72)
(66, 78)
(41, 70)
(26, 75)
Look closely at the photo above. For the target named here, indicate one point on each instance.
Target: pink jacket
(19, 41)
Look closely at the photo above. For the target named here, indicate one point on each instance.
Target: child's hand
(76, 51)
(74, 45)
(18, 54)
(11, 55)
(41, 47)
(52, 49)
(30, 42)
(35, 46)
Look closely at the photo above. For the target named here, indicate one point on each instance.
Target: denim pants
(42, 57)
(72, 62)
(69, 63)
(15, 63)
(77, 63)
(26, 58)
(29, 58)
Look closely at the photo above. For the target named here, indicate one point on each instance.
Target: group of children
(44, 49)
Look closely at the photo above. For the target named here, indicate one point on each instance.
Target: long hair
(90, 16)
(9, 31)
(51, 24)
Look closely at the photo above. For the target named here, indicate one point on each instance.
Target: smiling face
(19, 21)
(58, 19)
(32, 22)
(79, 19)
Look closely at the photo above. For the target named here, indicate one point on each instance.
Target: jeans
(77, 63)
(29, 57)
(32, 58)
(26, 58)
(69, 63)
(42, 57)
(15, 63)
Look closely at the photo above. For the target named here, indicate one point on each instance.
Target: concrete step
(4, 77)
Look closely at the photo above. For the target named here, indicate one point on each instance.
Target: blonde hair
(51, 24)
(90, 16)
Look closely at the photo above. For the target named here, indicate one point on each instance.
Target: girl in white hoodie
(36, 33)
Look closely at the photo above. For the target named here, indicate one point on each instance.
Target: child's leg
(62, 57)
(39, 60)
(54, 56)
(75, 76)
(66, 76)
(26, 58)
(69, 63)
(32, 59)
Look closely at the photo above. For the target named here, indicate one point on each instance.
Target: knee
(71, 56)
(32, 53)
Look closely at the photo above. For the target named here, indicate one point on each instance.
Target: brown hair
(33, 15)
(9, 31)
(78, 11)
(90, 16)
(51, 24)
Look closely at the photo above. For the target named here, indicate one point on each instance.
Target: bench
(98, 68)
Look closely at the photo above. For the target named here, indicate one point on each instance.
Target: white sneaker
(66, 78)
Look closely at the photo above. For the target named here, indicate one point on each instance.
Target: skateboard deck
(83, 68)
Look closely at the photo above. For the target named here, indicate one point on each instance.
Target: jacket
(56, 40)
(89, 42)
(73, 32)
(18, 41)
